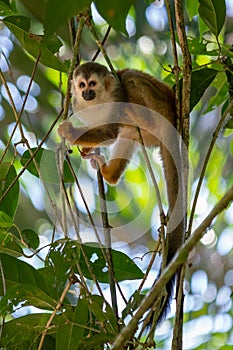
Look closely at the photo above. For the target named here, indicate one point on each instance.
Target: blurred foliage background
(147, 47)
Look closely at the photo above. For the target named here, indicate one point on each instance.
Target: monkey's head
(93, 84)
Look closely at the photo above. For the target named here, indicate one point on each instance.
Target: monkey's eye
(82, 85)
(92, 83)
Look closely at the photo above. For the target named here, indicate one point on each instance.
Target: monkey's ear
(109, 82)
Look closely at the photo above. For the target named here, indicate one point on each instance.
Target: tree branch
(178, 260)
(184, 127)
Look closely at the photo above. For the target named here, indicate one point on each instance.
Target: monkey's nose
(88, 95)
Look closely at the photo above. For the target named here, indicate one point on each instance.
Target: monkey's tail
(175, 241)
(161, 307)
(165, 303)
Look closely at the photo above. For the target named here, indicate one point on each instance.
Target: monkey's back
(143, 89)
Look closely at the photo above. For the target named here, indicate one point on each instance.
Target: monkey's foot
(94, 164)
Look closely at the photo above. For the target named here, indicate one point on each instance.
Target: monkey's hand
(67, 130)
(96, 160)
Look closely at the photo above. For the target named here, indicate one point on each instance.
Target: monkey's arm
(102, 136)
(88, 137)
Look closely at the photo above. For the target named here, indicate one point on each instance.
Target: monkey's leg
(113, 169)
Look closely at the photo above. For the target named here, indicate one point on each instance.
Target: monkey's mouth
(88, 95)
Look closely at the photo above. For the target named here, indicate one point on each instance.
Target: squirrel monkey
(93, 85)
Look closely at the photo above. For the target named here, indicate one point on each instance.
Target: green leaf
(46, 162)
(30, 238)
(36, 8)
(203, 28)
(197, 46)
(103, 312)
(53, 44)
(64, 255)
(115, 12)
(59, 13)
(22, 332)
(229, 125)
(133, 303)
(213, 13)
(60, 262)
(4, 168)
(5, 220)
(69, 335)
(228, 65)
(96, 341)
(231, 148)
(9, 245)
(221, 92)
(124, 267)
(9, 203)
(25, 294)
(33, 44)
(19, 21)
(200, 81)
(192, 8)
(6, 8)
(19, 272)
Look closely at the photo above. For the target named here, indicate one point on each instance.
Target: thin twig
(18, 116)
(100, 46)
(187, 70)
(179, 308)
(59, 156)
(104, 213)
(32, 157)
(207, 157)
(149, 265)
(72, 31)
(18, 119)
(72, 280)
(177, 341)
(85, 203)
(155, 185)
(108, 243)
(92, 223)
(176, 68)
(87, 262)
(74, 62)
(102, 43)
(105, 251)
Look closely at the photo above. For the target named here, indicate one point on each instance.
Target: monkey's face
(87, 88)
(92, 84)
